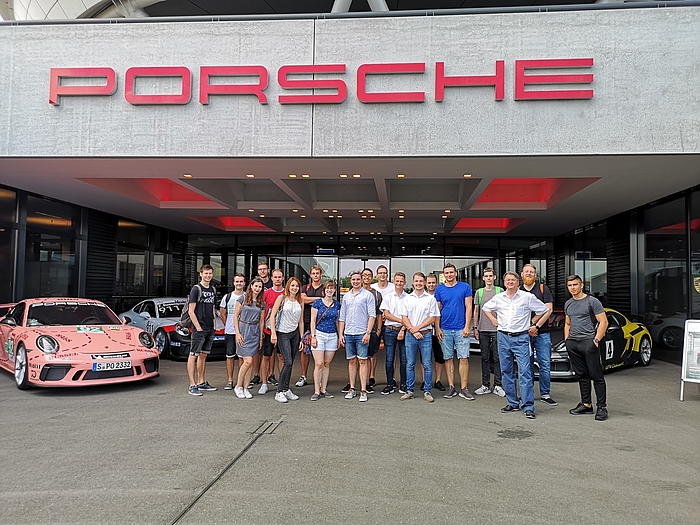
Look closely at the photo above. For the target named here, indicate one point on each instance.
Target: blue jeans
(425, 346)
(542, 346)
(511, 350)
(390, 344)
(354, 347)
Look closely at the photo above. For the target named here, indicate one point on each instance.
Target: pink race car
(73, 342)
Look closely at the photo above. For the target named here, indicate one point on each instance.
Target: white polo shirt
(419, 307)
(391, 302)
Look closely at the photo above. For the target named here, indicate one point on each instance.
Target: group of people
(432, 323)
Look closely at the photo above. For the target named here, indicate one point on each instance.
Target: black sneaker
(369, 389)
(403, 389)
(255, 380)
(345, 389)
(388, 390)
(272, 379)
(508, 409)
(422, 385)
(601, 414)
(393, 383)
(549, 401)
(580, 410)
(530, 414)
(439, 386)
(206, 387)
(371, 382)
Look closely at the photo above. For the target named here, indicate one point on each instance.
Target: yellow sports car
(626, 343)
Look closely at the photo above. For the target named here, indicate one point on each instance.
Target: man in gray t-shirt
(584, 329)
(485, 332)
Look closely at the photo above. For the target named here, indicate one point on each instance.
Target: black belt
(394, 328)
(513, 334)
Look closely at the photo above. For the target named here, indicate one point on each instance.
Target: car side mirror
(126, 320)
(145, 315)
(9, 321)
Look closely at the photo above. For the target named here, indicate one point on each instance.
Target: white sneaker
(483, 389)
(247, 394)
(499, 391)
(351, 393)
(291, 395)
(279, 396)
(363, 397)
(263, 389)
(239, 392)
(302, 382)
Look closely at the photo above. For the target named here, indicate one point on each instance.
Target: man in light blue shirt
(357, 315)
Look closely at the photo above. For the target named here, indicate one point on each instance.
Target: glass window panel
(694, 288)
(158, 273)
(8, 206)
(8, 238)
(411, 265)
(46, 215)
(132, 234)
(131, 273)
(49, 266)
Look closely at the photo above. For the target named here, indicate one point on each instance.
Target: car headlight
(184, 332)
(47, 344)
(146, 340)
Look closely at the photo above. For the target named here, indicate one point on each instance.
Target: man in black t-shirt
(540, 340)
(202, 304)
(309, 293)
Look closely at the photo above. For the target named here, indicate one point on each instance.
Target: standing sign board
(690, 371)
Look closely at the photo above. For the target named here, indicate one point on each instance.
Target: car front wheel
(162, 341)
(21, 374)
(645, 351)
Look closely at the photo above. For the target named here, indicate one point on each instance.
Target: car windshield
(170, 309)
(70, 313)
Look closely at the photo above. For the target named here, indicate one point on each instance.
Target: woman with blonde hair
(324, 337)
(249, 323)
(286, 330)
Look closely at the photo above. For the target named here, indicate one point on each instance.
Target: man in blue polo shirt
(455, 302)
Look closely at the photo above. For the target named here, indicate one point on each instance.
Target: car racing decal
(83, 329)
(10, 348)
(637, 330)
(110, 356)
(609, 349)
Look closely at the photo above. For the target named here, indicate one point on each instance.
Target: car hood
(87, 339)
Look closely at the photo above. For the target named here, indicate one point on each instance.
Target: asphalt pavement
(149, 453)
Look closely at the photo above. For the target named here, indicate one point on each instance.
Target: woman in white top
(286, 331)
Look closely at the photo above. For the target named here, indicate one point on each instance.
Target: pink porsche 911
(73, 342)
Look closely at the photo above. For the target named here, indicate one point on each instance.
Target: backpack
(185, 319)
(480, 294)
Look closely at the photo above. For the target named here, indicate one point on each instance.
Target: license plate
(110, 365)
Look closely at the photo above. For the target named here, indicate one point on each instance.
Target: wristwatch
(596, 340)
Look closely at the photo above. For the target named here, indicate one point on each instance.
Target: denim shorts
(325, 342)
(201, 342)
(354, 347)
(451, 340)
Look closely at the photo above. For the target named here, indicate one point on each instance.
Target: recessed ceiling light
(467, 175)
(361, 211)
(372, 216)
(325, 211)
(334, 211)
(251, 211)
(305, 175)
(364, 216)
(352, 233)
(447, 211)
(355, 175)
(370, 211)
(340, 216)
(331, 216)
(401, 233)
(249, 175)
(295, 211)
(291, 232)
(345, 233)
(434, 233)
(292, 175)
(400, 211)
(302, 216)
(401, 216)
(343, 175)
(187, 175)
(262, 215)
(444, 216)
(324, 233)
(400, 175)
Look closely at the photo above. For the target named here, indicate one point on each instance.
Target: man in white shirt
(513, 309)
(383, 286)
(226, 309)
(394, 334)
(418, 313)
(357, 315)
